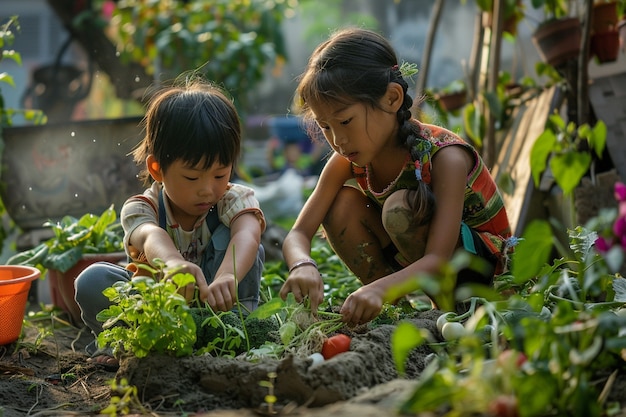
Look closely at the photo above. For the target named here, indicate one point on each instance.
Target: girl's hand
(305, 281)
(222, 293)
(362, 306)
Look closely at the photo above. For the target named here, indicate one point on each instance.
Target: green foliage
(330, 14)
(299, 329)
(223, 333)
(73, 238)
(405, 338)
(218, 334)
(563, 147)
(553, 9)
(229, 41)
(7, 37)
(560, 332)
(261, 331)
(148, 316)
(512, 8)
(339, 281)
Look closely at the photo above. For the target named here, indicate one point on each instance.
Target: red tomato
(504, 406)
(335, 345)
(511, 355)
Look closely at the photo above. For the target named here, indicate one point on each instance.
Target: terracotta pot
(558, 40)
(452, 101)
(605, 46)
(62, 283)
(604, 17)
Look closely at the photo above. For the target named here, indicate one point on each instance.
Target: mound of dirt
(50, 376)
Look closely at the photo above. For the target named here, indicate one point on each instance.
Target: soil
(52, 377)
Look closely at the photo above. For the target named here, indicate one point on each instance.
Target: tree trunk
(422, 75)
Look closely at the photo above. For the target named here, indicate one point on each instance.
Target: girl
(191, 216)
(397, 197)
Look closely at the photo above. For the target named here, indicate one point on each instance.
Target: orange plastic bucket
(15, 283)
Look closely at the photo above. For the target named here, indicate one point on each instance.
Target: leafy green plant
(148, 316)
(567, 150)
(72, 238)
(230, 42)
(561, 331)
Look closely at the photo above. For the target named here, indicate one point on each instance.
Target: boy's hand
(222, 293)
(184, 267)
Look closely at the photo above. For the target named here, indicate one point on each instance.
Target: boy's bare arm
(245, 238)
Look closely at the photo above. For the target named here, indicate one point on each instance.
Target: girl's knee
(397, 215)
(408, 231)
(349, 205)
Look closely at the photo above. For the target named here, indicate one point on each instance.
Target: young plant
(124, 400)
(300, 333)
(148, 316)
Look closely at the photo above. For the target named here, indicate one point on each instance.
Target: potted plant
(513, 14)
(558, 37)
(452, 97)
(604, 43)
(76, 244)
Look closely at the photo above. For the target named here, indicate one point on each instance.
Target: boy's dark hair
(195, 122)
(356, 65)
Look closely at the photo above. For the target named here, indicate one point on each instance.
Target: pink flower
(619, 227)
(621, 211)
(620, 191)
(107, 9)
(603, 244)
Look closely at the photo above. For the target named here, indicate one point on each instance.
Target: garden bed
(53, 377)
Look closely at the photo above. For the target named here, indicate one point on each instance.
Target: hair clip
(407, 69)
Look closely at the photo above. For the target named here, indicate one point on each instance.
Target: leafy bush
(72, 238)
(547, 350)
(148, 316)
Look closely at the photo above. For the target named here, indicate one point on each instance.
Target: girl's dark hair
(357, 65)
(195, 122)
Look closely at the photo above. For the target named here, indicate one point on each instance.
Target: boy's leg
(90, 284)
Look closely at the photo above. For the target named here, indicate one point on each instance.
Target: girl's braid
(422, 201)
